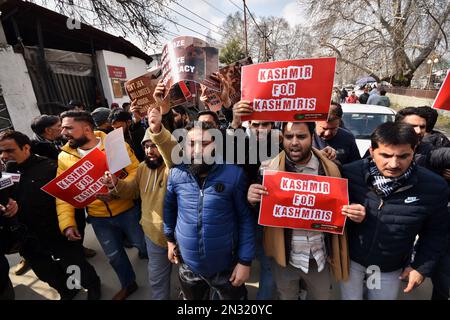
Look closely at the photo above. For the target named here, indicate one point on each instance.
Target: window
(363, 124)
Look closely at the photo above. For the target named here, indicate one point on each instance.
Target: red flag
(442, 100)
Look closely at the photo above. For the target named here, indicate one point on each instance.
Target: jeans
(109, 232)
(385, 289)
(266, 282)
(159, 269)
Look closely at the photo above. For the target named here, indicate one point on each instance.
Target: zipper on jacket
(381, 204)
(201, 245)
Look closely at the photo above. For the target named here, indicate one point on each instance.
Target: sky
(213, 11)
(216, 11)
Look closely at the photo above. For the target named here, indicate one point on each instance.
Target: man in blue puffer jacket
(208, 222)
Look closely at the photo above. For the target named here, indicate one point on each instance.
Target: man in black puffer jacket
(441, 276)
(402, 200)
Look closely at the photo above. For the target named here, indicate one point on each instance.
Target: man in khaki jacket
(150, 184)
(300, 254)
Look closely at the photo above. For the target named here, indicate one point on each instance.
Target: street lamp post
(431, 62)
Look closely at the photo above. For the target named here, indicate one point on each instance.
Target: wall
(134, 67)
(17, 89)
(408, 101)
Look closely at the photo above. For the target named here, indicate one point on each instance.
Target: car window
(363, 124)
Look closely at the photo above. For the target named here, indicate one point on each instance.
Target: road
(28, 287)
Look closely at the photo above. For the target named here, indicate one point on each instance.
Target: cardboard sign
(212, 99)
(232, 74)
(302, 201)
(188, 59)
(442, 100)
(79, 184)
(141, 89)
(290, 90)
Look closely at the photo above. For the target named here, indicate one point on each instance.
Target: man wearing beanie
(101, 120)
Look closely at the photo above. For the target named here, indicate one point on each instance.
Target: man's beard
(301, 155)
(77, 143)
(199, 169)
(154, 164)
(179, 124)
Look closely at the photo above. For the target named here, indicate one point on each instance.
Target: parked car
(362, 119)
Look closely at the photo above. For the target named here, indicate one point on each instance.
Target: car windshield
(363, 124)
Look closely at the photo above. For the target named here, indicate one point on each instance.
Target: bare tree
(283, 42)
(286, 42)
(388, 40)
(139, 18)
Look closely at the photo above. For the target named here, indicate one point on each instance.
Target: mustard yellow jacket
(66, 212)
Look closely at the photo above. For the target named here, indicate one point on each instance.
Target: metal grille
(5, 119)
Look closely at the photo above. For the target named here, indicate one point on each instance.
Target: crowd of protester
(201, 213)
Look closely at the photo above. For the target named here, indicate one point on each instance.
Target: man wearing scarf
(402, 200)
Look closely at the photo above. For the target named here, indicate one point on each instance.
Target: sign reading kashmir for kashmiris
(189, 59)
(303, 201)
(79, 184)
(442, 100)
(290, 90)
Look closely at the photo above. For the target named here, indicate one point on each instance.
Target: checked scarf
(384, 186)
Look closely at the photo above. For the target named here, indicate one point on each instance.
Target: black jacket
(343, 142)
(45, 149)
(437, 139)
(37, 209)
(386, 236)
(134, 138)
(363, 98)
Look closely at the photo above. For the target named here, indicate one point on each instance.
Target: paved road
(28, 287)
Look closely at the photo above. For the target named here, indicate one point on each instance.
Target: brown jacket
(274, 238)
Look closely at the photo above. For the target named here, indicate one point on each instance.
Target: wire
(214, 7)
(179, 24)
(263, 33)
(215, 25)
(234, 4)
(170, 33)
(253, 18)
(220, 34)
